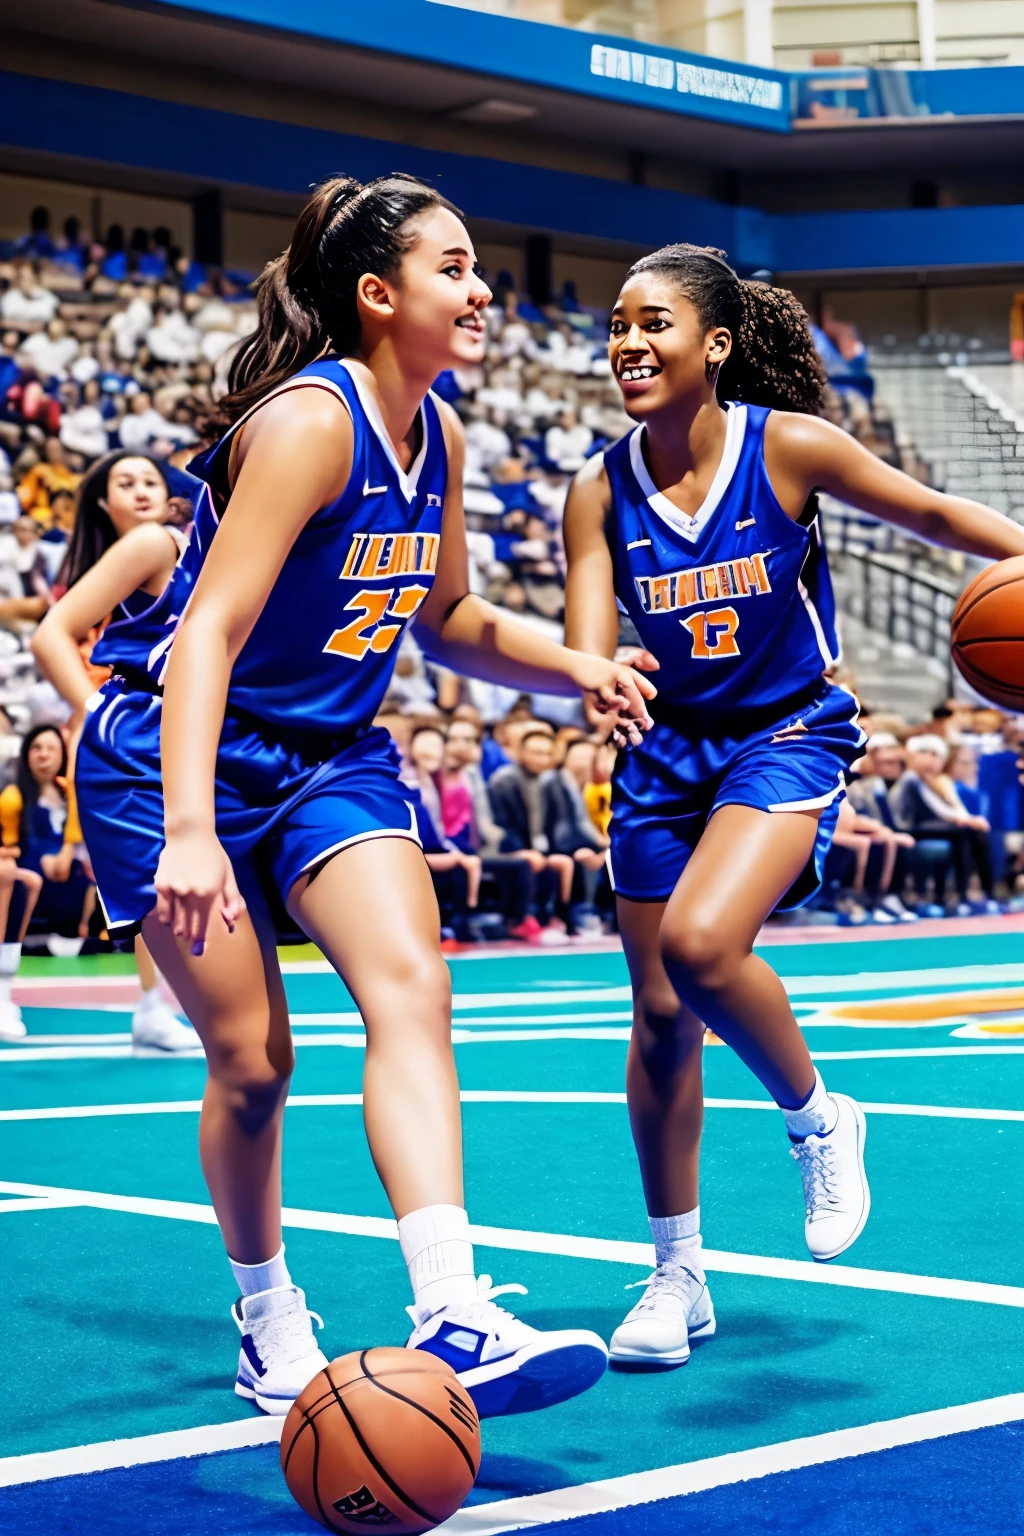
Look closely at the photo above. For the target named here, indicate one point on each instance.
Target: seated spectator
(28, 303)
(38, 242)
(53, 473)
(10, 506)
(863, 897)
(24, 576)
(570, 828)
(34, 817)
(925, 803)
(443, 855)
(568, 442)
(518, 805)
(51, 352)
(143, 425)
(597, 793)
(82, 427)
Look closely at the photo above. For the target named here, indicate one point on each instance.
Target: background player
(129, 533)
(703, 523)
(340, 485)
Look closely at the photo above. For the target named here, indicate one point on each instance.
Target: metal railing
(887, 590)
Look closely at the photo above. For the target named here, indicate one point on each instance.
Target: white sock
(439, 1256)
(150, 998)
(10, 959)
(677, 1239)
(815, 1118)
(253, 1278)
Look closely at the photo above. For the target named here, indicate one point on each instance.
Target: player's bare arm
(141, 560)
(296, 459)
(471, 635)
(804, 454)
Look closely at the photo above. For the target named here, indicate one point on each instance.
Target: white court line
(735, 1467)
(474, 1096)
(175, 1443)
(357, 1041)
(563, 1503)
(608, 1250)
(949, 978)
(37, 1203)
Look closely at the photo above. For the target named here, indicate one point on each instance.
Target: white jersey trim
(691, 528)
(816, 625)
(410, 834)
(812, 805)
(407, 479)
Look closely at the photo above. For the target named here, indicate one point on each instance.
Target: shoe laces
(666, 1280)
(481, 1311)
(285, 1335)
(815, 1156)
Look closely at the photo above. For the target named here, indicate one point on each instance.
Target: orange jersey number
(714, 634)
(368, 630)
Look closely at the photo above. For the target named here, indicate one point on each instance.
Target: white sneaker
(674, 1308)
(279, 1355)
(63, 948)
(505, 1365)
(836, 1191)
(12, 1025)
(893, 904)
(156, 1027)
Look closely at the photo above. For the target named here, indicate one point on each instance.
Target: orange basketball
(988, 633)
(383, 1438)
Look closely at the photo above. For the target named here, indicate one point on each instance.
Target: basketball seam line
(372, 1459)
(391, 1391)
(981, 595)
(316, 1480)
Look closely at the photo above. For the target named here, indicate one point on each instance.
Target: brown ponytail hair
(306, 298)
(773, 361)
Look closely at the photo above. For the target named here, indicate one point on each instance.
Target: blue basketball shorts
(666, 790)
(282, 807)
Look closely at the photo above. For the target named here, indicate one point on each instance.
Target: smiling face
(432, 309)
(136, 493)
(658, 348)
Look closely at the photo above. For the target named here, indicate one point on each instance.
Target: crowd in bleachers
(124, 343)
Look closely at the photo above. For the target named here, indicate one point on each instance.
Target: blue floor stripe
(962, 1485)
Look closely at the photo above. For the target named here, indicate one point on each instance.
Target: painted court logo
(362, 1508)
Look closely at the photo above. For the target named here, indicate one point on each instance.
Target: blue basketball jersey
(736, 601)
(137, 640)
(322, 652)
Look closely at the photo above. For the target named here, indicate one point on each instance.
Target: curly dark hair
(773, 361)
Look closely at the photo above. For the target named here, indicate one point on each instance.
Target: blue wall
(211, 147)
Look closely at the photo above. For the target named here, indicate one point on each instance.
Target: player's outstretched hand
(195, 881)
(613, 689)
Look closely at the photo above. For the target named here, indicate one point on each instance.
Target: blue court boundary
(968, 1484)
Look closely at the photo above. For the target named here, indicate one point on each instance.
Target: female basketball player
(340, 487)
(127, 538)
(703, 523)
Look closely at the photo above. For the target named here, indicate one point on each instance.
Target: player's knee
(250, 1071)
(698, 951)
(656, 1006)
(424, 981)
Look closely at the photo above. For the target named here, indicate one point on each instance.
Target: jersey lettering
(746, 576)
(371, 555)
(714, 634)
